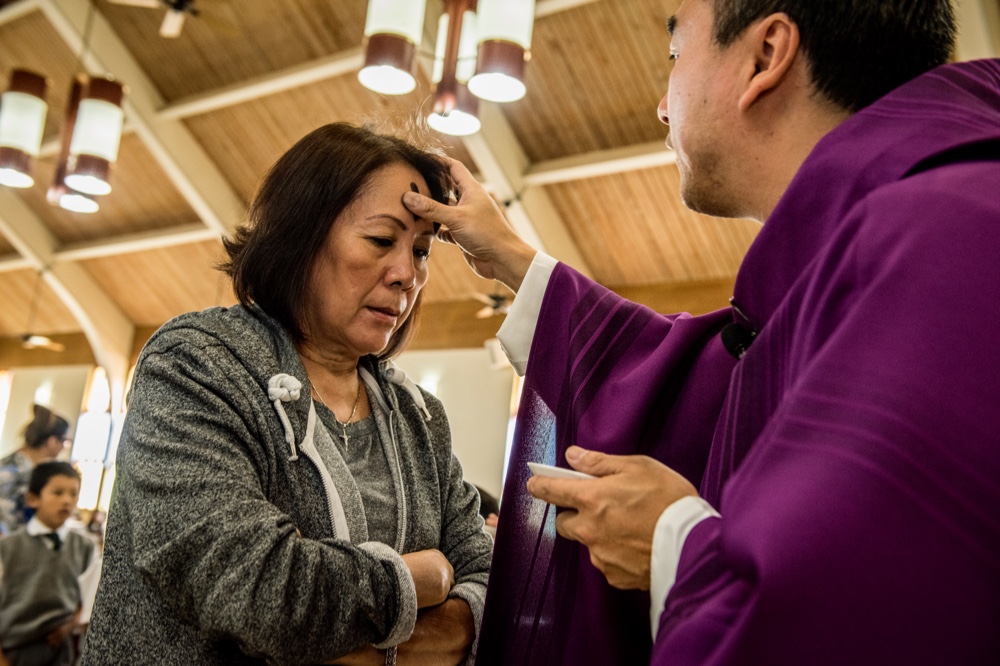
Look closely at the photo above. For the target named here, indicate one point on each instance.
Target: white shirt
(678, 519)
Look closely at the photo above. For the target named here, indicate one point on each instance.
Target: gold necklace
(343, 426)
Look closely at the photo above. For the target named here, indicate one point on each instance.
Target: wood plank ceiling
(597, 72)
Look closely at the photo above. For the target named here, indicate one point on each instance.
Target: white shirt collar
(36, 527)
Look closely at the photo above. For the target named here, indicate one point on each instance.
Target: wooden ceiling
(579, 161)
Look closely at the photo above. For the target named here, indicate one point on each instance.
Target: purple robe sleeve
(863, 526)
(609, 375)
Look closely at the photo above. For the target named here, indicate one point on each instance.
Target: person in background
(43, 563)
(489, 509)
(44, 439)
(284, 493)
(823, 477)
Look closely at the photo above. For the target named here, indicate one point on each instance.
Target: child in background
(42, 562)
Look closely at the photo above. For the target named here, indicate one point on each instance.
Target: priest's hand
(615, 515)
(491, 246)
(432, 574)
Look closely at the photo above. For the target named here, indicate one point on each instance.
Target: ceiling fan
(30, 340)
(177, 12)
(493, 304)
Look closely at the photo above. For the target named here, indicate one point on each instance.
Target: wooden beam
(77, 352)
(600, 163)
(14, 262)
(180, 156)
(137, 242)
(503, 162)
(329, 67)
(14, 11)
(107, 328)
(142, 241)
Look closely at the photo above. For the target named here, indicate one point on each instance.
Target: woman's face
(54, 445)
(371, 268)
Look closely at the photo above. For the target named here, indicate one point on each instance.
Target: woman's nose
(402, 271)
(662, 113)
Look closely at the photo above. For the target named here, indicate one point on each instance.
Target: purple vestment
(853, 452)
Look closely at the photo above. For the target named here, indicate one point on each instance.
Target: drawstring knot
(285, 388)
(396, 376)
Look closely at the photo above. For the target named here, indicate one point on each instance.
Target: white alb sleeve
(519, 327)
(672, 528)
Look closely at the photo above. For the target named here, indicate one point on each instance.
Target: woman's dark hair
(45, 424)
(272, 256)
(43, 472)
(858, 50)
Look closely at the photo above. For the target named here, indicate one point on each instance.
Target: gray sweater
(40, 588)
(222, 464)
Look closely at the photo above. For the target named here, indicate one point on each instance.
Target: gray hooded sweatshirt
(223, 464)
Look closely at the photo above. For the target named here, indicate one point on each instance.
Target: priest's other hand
(615, 515)
(491, 246)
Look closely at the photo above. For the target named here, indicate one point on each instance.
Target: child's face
(56, 502)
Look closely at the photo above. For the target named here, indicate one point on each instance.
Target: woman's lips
(388, 314)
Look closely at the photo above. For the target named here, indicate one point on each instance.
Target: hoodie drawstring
(396, 376)
(285, 388)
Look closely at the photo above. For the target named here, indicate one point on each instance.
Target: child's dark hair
(43, 473)
(45, 424)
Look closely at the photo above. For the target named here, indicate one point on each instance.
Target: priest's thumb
(594, 462)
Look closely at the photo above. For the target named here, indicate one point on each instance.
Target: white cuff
(518, 328)
(672, 529)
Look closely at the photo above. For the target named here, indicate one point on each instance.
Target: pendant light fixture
(393, 30)
(59, 194)
(22, 124)
(96, 138)
(505, 28)
(455, 108)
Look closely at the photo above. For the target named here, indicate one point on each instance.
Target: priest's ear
(773, 43)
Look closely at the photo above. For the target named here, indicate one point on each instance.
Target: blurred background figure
(45, 436)
(489, 509)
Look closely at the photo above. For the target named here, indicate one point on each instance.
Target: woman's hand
(432, 575)
(442, 637)
(491, 246)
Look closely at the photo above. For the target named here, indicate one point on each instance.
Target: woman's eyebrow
(401, 224)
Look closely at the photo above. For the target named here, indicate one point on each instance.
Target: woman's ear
(775, 45)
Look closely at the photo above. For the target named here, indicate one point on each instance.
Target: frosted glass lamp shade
(505, 28)
(97, 136)
(78, 203)
(392, 31)
(507, 21)
(396, 17)
(22, 124)
(461, 120)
